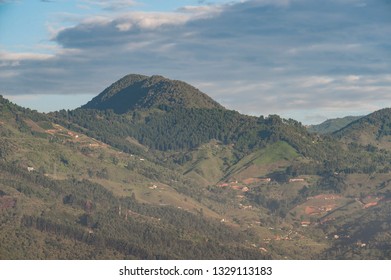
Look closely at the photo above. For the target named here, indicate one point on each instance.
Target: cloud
(112, 5)
(299, 57)
(7, 73)
(335, 97)
(201, 9)
(144, 20)
(103, 30)
(12, 57)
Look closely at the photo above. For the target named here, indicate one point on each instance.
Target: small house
(293, 180)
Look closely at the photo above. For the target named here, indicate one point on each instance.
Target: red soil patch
(7, 202)
(250, 181)
(316, 210)
(326, 197)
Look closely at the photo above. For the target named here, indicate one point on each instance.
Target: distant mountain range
(153, 168)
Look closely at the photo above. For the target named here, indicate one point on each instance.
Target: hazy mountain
(332, 125)
(137, 91)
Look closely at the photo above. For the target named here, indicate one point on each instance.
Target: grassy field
(261, 162)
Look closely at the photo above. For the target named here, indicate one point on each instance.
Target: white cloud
(153, 20)
(112, 4)
(352, 78)
(7, 74)
(315, 81)
(9, 63)
(210, 9)
(326, 96)
(146, 20)
(96, 20)
(124, 26)
(8, 56)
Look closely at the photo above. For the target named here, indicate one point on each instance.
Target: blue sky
(303, 59)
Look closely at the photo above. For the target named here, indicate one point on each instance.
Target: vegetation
(155, 169)
(137, 91)
(332, 125)
(53, 213)
(369, 129)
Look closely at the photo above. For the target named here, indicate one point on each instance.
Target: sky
(309, 60)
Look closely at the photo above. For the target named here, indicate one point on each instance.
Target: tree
(115, 160)
(103, 173)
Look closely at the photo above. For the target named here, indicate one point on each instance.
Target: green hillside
(173, 175)
(68, 196)
(208, 163)
(373, 129)
(332, 125)
(264, 161)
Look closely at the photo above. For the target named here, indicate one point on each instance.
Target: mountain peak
(138, 91)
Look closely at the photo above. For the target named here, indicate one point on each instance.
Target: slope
(332, 125)
(92, 190)
(169, 133)
(373, 129)
(66, 195)
(260, 163)
(266, 180)
(137, 91)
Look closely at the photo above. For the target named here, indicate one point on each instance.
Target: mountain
(138, 91)
(332, 125)
(173, 134)
(373, 129)
(157, 180)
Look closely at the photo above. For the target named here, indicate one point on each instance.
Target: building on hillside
(293, 180)
(245, 189)
(267, 180)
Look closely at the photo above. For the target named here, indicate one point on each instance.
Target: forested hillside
(137, 91)
(68, 215)
(178, 130)
(332, 125)
(154, 169)
(373, 129)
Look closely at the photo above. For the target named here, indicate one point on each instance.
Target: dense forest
(109, 226)
(186, 129)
